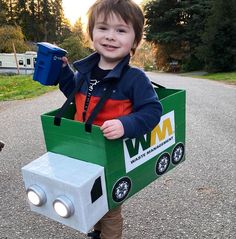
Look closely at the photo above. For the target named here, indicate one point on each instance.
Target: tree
(145, 56)
(3, 12)
(76, 44)
(196, 13)
(78, 28)
(62, 25)
(65, 30)
(10, 35)
(46, 19)
(11, 13)
(219, 40)
(22, 16)
(163, 28)
(31, 32)
(40, 20)
(175, 26)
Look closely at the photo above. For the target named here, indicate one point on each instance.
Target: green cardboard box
(129, 164)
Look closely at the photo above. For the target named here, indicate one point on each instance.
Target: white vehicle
(25, 62)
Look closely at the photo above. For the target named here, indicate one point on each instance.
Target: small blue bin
(48, 64)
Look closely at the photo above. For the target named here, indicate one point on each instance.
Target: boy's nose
(110, 36)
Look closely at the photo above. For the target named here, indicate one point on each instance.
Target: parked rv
(23, 61)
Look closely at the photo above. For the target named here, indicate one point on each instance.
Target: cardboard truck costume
(83, 174)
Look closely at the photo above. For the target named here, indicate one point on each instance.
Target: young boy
(115, 28)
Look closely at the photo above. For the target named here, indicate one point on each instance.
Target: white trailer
(25, 62)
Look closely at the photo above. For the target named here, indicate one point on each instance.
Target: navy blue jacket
(134, 101)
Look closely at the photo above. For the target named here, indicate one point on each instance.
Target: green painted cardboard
(71, 139)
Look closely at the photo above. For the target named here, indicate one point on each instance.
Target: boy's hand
(112, 129)
(65, 61)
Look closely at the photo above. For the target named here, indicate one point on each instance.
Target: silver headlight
(63, 206)
(36, 195)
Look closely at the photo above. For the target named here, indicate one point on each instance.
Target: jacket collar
(85, 65)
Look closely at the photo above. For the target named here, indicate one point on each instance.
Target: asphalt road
(195, 200)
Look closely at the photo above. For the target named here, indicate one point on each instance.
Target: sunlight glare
(74, 9)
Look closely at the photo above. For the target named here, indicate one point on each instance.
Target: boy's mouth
(109, 46)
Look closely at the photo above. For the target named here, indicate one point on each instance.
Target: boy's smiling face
(113, 39)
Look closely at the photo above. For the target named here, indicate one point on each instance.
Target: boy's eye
(102, 28)
(121, 30)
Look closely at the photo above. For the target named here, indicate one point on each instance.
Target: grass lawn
(17, 87)
(228, 77)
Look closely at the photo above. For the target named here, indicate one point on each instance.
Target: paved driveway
(195, 200)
